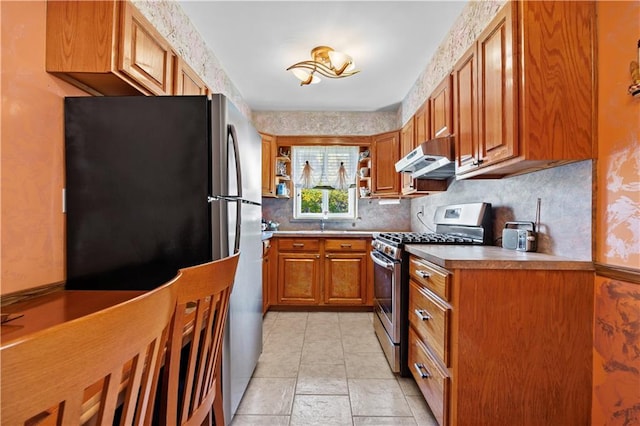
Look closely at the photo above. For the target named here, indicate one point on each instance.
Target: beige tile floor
(325, 369)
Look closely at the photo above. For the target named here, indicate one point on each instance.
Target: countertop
(326, 233)
(491, 257)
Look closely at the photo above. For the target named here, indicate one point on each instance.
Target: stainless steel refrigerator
(243, 334)
(154, 184)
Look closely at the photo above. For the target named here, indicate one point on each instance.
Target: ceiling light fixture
(325, 61)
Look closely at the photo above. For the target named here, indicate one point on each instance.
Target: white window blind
(325, 164)
(324, 179)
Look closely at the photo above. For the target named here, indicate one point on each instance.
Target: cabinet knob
(317, 256)
(477, 162)
(422, 370)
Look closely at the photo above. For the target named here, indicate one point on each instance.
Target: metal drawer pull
(423, 274)
(422, 370)
(422, 314)
(345, 245)
(298, 244)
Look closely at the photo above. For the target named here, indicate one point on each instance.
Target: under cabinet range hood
(433, 159)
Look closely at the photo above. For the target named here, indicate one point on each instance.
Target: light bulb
(340, 61)
(305, 77)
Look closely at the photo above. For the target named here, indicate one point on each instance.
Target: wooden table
(48, 310)
(51, 309)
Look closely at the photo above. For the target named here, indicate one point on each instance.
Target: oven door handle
(380, 262)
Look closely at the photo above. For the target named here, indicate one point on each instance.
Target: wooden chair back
(202, 307)
(105, 360)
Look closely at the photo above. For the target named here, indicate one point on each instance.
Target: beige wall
(32, 153)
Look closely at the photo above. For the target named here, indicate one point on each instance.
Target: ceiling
(391, 43)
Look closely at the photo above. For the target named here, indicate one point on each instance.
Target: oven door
(386, 293)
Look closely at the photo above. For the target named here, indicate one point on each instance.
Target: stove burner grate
(397, 239)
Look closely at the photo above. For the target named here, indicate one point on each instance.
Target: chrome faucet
(325, 216)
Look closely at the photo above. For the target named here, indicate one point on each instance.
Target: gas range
(455, 224)
(459, 224)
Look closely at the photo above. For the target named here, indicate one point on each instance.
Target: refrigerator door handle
(232, 141)
(233, 144)
(231, 198)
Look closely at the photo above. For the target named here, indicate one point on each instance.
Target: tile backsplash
(371, 216)
(565, 213)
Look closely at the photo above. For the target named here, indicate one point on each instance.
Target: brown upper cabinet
(524, 93)
(465, 114)
(187, 81)
(385, 151)
(268, 165)
(421, 124)
(485, 96)
(406, 146)
(441, 109)
(108, 48)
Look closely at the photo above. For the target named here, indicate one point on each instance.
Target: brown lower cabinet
(266, 275)
(502, 346)
(321, 272)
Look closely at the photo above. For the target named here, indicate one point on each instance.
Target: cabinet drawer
(433, 381)
(343, 244)
(430, 319)
(298, 244)
(434, 278)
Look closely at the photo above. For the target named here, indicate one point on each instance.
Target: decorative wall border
(619, 273)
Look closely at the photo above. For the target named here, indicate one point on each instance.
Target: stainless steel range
(460, 224)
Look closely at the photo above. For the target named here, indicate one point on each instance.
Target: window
(324, 182)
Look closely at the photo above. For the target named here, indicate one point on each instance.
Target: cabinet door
(80, 36)
(345, 278)
(266, 274)
(187, 81)
(268, 165)
(440, 107)
(465, 114)
(421, 124)
(299, 278)
(82, 44)
(406, 146)
(386, 152)
(144, 55)
(497, 103)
